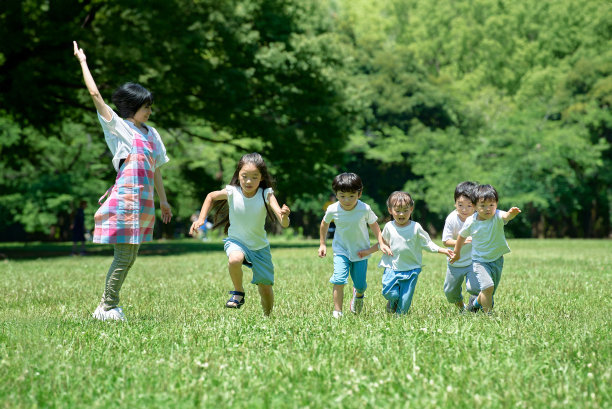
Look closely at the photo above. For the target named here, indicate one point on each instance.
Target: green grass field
(548, 345)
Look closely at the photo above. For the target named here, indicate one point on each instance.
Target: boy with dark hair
(461, 270)
(486, 227)
(351, 217)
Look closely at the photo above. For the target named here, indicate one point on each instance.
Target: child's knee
(235, 258)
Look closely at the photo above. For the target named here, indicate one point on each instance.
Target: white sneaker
(116, 314)
(337, 314)
(356, 303)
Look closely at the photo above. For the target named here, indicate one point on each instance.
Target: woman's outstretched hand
(78, 52)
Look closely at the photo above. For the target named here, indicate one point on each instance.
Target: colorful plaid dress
(128, 214)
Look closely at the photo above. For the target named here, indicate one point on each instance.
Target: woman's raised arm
(91, 85)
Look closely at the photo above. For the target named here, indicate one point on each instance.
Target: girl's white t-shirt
(119, 136)
(452, 227)
(247, 217)
(351, 233)
(407, 244)
(488, 238)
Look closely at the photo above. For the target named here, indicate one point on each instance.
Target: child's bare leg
(235, 260)
(338, 296)
(485, 298)
(266, 292)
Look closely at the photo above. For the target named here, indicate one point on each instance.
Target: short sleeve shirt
(488, 238)
(452, 227)
(351, 233)
(407, 244)
(248, 217)
(119, 136)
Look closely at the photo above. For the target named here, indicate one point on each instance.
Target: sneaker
(470, 306)
(337, 314)
(391, 308)
(116, 314)
(356, 303)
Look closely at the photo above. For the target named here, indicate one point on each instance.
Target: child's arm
(91, 85)
(510, 214)
(322, 237)
(449, 253)
(282, 213)
(452, 242)
(210, 198)
(367, 252)
(460, 242)
(381, 242)
(161, 192)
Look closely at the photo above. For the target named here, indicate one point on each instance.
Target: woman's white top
(119, 136)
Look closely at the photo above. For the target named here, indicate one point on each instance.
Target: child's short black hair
(347, 182)
(129, 97)
(484, 192)
(465, 189)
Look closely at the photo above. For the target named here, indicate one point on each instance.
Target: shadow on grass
(156, 248)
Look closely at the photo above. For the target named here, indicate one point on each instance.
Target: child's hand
(285, 210)
(514, 211)
(363, 253)
(195, 226)
(78, 52)
(385, 249)
(468, 240)
(455, 257)
(322, 250)
(166, 212)
(449, 253)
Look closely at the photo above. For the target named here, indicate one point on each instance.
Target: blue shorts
(343, 267)
(488, 274)
(455, 276)
(398, 288)
(260, 261)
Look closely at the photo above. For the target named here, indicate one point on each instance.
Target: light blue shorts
(488, 274)
(343, 267)
(260, 261)
(455, 276)
(398, 288)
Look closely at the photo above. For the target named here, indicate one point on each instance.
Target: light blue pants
(398, 288)
(343, 267)
(260, 261)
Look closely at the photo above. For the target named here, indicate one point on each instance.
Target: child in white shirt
(241, 208)
(486, 227)
(351, 217)
(406, 240)
(462, 269)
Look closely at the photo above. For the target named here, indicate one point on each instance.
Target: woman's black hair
(221, 207)
(130, 97)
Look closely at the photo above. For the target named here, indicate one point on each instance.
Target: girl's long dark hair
(221, 207)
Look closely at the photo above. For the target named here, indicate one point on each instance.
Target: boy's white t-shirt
(488, 238)
(351, 233)
(407, 244)
(452, 227)
(119, 136)
(248, 217)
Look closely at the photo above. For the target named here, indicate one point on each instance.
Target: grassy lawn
(548, 345)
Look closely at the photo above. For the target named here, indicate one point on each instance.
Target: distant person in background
(332, 227)
(127, 217)
(78, 228)
(486, 227)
